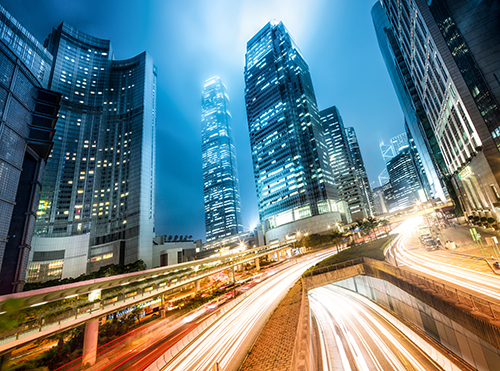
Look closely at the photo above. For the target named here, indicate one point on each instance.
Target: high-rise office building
(452, 55)
(97, 204)
(341, 161)
(359, 170)
(405, 182)
(387, 151)
(430, 163)
(28, 113)
(220, 172)
(399, 142)
(291, 169)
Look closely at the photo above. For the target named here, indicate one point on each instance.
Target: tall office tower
(452, 53)
(97, 202)
(417, 162)
(419, 127)
(379, 203)
(341, 161)
(359, 170)
(405, 181)
(387, 154)
(399, 142)
(291, 168)
(27, 117)
(390, 200)
(220, 172)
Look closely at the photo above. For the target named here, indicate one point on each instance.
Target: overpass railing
(128, 296)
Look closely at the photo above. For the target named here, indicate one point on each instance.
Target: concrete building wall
(75, 256)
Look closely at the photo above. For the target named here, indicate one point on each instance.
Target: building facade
(341, 160)
(359, 170)
(452, 52)
(221, 192)
(99, 183)
(293, 177)
(418, 128)
(28, 113)
(405, 182)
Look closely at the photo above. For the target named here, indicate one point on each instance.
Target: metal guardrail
(473, 302)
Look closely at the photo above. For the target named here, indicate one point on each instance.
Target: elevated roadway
(156, 287)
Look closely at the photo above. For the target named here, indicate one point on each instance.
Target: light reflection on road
(355, 336)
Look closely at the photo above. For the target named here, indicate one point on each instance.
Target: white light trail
(480, 282)
(370, 337)
(227, 339)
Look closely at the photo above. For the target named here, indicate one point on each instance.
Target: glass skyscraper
(341, 161)
(28, 113)
(220, 171)
(405, 182)
(97, 202)
(360, 171)
(450, 52)
(419, 127)
(292, 173)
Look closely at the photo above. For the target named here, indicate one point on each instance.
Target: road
(440, 264)
(227, 341)
(354, 335)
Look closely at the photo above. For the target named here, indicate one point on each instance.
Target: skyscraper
(451, 53)
(341, 161)
(292, 173)
(28, 113)
(359, 170)
(399, 142)
(220, 172)
(405, 181)
(97, 203)
(430, 160)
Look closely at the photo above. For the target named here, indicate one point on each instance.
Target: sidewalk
(460, 234)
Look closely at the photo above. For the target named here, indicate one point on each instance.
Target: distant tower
(220, 172)
(399, 142)
(342, 163)
(292, 173)
(360, 171)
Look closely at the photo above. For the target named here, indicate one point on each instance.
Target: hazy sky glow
(193, 40)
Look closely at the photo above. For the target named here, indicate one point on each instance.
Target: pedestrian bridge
(148, 285)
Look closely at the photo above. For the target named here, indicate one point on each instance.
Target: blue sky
(193, 40)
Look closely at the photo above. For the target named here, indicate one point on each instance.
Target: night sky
(193, 40)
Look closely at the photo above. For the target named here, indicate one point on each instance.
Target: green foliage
(373, 249)
(106, 271)
(10, 318)
(315, 240)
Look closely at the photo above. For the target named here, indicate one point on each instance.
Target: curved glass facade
(101, 172)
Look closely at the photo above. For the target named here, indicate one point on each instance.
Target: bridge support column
(90, 342)
(257, 264)
(196, 286)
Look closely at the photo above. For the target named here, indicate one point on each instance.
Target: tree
(384, 223)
